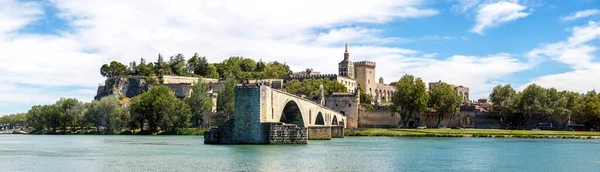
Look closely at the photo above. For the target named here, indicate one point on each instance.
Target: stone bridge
(264, 115)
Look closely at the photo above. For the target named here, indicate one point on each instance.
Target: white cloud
(15, 14)
(359, 35)
(580, 14)
(297, 32)
(495, 14)
(576, 52)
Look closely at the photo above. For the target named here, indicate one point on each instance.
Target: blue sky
(53, 48)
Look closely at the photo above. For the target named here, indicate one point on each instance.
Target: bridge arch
(320, 120)
(292, 114)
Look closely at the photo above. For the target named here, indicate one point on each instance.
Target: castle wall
(430, 119)
(380, 117)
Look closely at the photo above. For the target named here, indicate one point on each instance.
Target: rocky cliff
(122, 86)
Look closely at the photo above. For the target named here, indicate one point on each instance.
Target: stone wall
(337, 131)
(380, 117)
(346, 104)
(430, 120)
(319, 133)
(280, 133)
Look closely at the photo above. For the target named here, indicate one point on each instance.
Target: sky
(54, 48)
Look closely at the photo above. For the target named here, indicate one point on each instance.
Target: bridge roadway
(260, 110)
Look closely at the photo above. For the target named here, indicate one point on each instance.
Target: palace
(354, 75)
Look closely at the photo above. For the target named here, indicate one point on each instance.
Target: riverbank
(186, 131)
(489, 133)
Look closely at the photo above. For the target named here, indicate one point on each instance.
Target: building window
(349, 105)
(336, 105)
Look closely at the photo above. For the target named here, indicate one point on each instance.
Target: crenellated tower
(346, 67)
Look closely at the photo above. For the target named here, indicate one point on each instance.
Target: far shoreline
(378, 132)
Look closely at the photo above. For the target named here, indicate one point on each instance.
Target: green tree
(225, 100)
(410, 97)
(276, 70)
(445, 101)
(177, 114)
(199, 102)
(114, 69)
(589, 107)
(100, 112)
(311, 87)
(532, 102)
(364, 97)
(260, 66)
(199, 65)
(66, 118)
(92, 115)
(178, 65)
(161, 67)
(157, 105)
(503, 99)
(143, 69)
(36, 117)
(51, 116)
(212, 72)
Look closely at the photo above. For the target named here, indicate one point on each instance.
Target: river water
(188, 153)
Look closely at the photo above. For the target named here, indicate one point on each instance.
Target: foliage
(225, 99)
(410, 97)
(159, 108)
(504, 98)
(533, 101)
(239, 67)
(199, 102)
(311, 87)
(445, 101)
(113, 69)
(364, 97)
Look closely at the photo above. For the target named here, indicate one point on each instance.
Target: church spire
(346, 47)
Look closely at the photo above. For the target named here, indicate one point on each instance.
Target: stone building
(353, 74)
(461, 90)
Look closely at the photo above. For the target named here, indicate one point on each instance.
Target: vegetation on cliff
(197, 66)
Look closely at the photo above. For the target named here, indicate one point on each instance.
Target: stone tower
(365, 76)
(346, 67)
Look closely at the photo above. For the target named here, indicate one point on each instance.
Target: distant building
(461, 90)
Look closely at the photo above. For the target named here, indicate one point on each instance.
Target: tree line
(197, 66)
(538, 104)
(156, 110)
(520, 109)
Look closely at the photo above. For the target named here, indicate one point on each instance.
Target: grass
(472, 133)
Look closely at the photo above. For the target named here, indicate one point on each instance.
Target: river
(188, 153)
